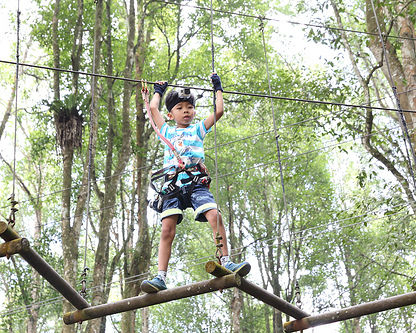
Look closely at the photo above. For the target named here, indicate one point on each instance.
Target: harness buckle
(171, 187)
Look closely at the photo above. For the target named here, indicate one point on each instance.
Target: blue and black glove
(216, 81)
(160, 88)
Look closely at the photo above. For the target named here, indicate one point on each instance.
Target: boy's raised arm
(160, 87)
(219, 102)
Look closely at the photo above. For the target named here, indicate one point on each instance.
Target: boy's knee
(167, 233)
(211, 215)
(168, 229)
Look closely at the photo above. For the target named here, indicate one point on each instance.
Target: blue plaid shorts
(200, 200)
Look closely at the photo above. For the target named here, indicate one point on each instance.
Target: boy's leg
(166, 239)
(165, 248)
(243, 268)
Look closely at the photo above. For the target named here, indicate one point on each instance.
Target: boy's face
(182, 113)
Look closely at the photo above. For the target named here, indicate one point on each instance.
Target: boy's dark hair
(174, 97)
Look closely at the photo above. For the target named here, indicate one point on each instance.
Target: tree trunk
(399, 75)
(56, 50)
(11, 100)
(77, 46)
(32, 326)
(70, 235)
(145, 320)
(112, 180)
(69, 248)
(236, 308)
(8, 110)
(235, 243)
(140, 258)
(356, 328)
(408, 55)
(273, 254)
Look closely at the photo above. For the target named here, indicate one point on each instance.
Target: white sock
(224, 260)
(162, 275)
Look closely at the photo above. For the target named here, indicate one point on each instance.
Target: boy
(187, 138)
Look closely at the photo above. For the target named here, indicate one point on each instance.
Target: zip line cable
(320, 26)
(209, 148)
(218, 237)
(13, 202)
(276, 136)
(293, 99)
(406, 137)
(90, 164)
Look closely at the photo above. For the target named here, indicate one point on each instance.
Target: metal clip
(219, 245)
(144, 86)
(12, 216)
(145, 91)
(83, 291)
(297, 295)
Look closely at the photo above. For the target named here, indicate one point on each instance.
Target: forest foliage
(312, 164)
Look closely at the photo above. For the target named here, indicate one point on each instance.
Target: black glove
(160, 88)
(216, 81)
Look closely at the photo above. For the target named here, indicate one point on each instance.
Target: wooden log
(261, 294)
(214, 268)
(7, 233)
(271, 299)
(45, 270)
(14, 246)
(142, 301)
(351, 312)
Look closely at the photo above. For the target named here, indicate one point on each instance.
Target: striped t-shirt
(188, 142)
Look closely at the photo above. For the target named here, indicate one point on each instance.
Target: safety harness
(169, 187)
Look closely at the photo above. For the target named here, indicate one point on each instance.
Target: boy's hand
(216, 81)
(160, 87)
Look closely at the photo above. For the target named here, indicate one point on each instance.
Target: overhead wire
(218, 237)
(239, 93)
(92, 112)
(320, 26)
(13, 202)
(276, 136)
(208, 148)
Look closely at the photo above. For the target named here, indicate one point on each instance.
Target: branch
(385, 268)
